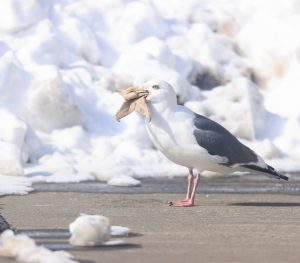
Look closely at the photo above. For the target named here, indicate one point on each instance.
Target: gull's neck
(161, 112)
(162, 108)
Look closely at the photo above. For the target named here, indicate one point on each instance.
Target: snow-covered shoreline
(236, 62)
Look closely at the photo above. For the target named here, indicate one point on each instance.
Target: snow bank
(15, 17)
(23, 249)
(60, 62)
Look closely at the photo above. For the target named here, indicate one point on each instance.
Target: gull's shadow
(60, 234)
(58, 239)
(67, 247)
(45, 233)
(266, 204)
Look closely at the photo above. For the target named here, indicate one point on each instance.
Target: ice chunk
(89, 230)
(11, 245)
(93, 230)
(24, 249)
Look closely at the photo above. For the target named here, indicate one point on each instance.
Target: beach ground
(219, 228)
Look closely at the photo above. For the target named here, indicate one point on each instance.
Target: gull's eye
(155, 87)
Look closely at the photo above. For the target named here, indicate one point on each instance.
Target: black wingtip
(274, 172)
(269, 170)
(283, 177)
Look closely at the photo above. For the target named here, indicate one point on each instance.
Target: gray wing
(218, 141)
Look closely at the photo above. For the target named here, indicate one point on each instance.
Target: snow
(50, 105)
(86, 230)
(15, 19)
(93, 230)
(23, 249)
(123, 180)
(60, 62)
(14, 185)
(89, 230)
(119, 231)
(11, 142)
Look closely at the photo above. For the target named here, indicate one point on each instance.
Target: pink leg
(190, 201)
(189, 189)
(190, 184)
(190, 196)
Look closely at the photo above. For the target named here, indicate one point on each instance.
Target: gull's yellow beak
(132, 93)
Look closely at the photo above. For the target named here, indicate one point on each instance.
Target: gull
(194, 141)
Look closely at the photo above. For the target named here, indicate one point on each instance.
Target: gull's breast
(173, 136)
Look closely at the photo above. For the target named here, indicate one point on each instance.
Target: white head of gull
(161, 95)
(194, 141)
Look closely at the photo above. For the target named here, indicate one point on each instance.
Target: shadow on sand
(67, 247)
(60, 234)
(58, 239)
